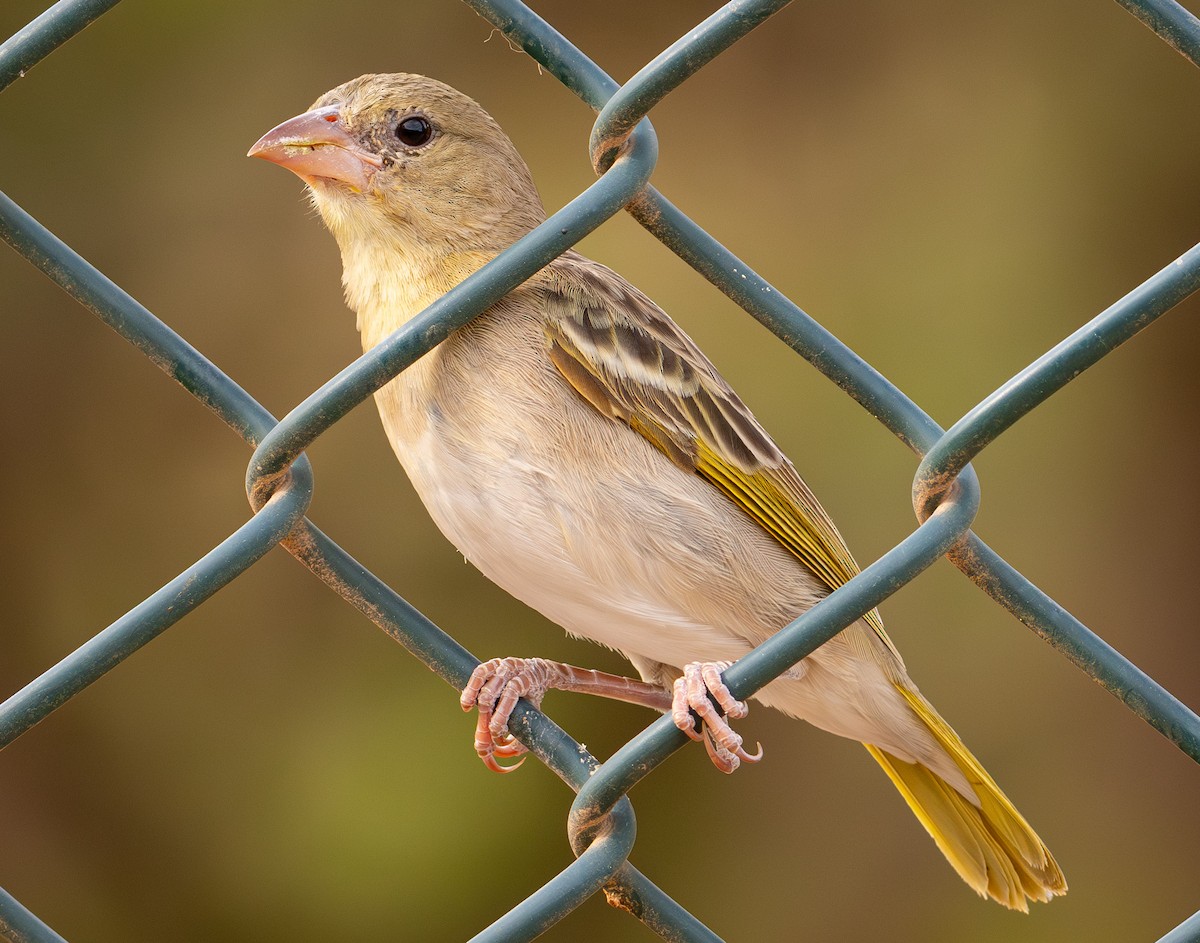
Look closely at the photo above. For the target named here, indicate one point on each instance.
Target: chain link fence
(624, 153)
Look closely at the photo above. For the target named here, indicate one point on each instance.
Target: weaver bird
(579, 449)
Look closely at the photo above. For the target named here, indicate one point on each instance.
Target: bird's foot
(494, 688)
(695, 691)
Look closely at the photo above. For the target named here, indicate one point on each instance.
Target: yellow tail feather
(987, 842)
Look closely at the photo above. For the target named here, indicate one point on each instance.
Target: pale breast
(576, 515)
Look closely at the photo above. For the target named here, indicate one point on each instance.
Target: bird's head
(407, 160)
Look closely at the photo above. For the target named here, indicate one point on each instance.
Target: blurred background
(951, 188)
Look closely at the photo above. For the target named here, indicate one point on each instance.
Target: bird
(580, 450)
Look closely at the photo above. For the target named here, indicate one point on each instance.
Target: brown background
(949, 187)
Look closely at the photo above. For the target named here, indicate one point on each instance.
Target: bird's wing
(626, 357)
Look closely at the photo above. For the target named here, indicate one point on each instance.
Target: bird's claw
(495, 687)
(695, 691)
(492, 749)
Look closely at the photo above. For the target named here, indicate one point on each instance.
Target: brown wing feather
(626, 357)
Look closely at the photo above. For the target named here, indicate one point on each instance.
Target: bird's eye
(414, 131)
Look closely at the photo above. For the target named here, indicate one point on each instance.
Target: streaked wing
(626, 357)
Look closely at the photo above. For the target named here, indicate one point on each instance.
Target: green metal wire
(59, 23)
(19, 925)
(1186, 932)
(623, 147)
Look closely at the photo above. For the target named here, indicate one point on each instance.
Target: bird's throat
(387, 286)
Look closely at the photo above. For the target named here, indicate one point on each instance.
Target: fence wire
(624, 151)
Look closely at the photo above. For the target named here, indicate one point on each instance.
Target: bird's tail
(988, 843)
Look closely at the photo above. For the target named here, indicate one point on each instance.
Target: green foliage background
(949, 187)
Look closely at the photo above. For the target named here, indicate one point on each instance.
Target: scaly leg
(691, 693)
(496, 685)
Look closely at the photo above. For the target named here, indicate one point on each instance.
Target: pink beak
(315, 146)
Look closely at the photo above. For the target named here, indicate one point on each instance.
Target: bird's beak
(316, 146)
